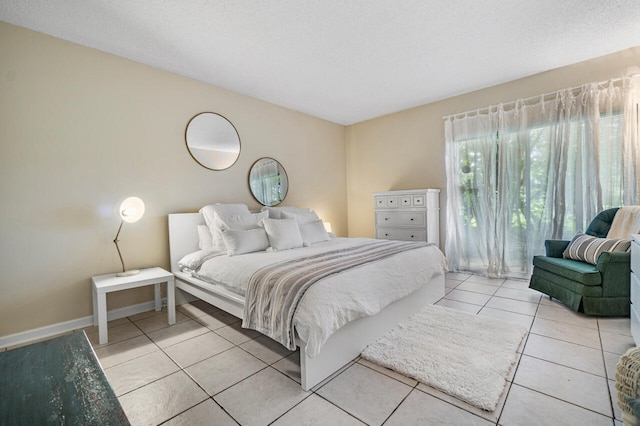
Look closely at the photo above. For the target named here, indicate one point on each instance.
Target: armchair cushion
(600, 225)
(583, 274)
(586, 248)
(555, 248)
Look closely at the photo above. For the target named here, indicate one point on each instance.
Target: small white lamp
(131, 210)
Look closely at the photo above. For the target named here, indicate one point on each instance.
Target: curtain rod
(544, 95)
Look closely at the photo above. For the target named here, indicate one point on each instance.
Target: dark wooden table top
(57, 381)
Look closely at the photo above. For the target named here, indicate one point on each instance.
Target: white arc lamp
(131, 210)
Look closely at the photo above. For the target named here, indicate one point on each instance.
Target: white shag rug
(466, 356)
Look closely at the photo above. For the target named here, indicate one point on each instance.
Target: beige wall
(406, 150)
(80, 130)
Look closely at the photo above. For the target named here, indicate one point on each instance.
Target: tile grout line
(181, 369)
(606, 373)
(515, 368)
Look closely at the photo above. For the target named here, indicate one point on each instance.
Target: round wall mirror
(212, 141)
(268, 181)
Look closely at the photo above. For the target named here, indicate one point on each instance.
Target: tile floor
(207, 370)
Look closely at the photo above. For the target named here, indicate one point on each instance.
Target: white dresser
(410, 215)
(635, 288)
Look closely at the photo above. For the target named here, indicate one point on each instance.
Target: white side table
(103, 284)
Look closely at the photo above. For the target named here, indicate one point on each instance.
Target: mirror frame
(283, 172)
(201, 160)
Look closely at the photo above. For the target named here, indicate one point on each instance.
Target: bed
(341, 345)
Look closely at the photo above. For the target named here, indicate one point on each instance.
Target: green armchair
(601, 289)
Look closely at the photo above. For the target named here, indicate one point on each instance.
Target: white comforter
(334, 301)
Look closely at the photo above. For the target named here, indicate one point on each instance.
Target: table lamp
(131, 210)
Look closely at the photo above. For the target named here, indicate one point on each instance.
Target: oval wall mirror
(268, 181)
(212, 141)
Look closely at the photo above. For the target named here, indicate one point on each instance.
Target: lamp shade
(131, 209)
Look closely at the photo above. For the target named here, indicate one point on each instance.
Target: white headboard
(183, 236)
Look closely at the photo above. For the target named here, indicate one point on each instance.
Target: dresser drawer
(405, 200)
(635, 257)
(635, 325)
(386, 201)
(402, 234)
(417, 200)
(635, 290)
(411, 200)
(416, 219)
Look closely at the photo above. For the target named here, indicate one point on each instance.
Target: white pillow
(205, 240)
(209, 211)
(193, 261)
(239, 241)
(231, 221)
(283, 234)
(301, 217)
(236, 221)
(276, 212)
(313, 232)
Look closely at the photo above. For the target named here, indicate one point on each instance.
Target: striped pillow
(587, 248)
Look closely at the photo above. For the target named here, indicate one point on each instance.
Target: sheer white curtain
(527, 171)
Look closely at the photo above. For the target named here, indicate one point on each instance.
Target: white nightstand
(103, 284)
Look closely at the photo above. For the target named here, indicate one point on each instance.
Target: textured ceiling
(342, 60)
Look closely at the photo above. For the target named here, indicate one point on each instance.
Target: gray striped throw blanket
(273, 292)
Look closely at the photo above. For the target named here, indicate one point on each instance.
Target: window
(536, 171)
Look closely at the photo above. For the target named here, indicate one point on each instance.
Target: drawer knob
(411, 219)
(386, 218)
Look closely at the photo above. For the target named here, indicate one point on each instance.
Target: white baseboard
(76, 324)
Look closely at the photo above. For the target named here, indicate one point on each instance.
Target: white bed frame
(342, 347)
